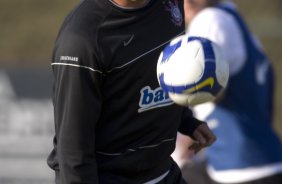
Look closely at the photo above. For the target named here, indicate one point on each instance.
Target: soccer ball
(192, 70)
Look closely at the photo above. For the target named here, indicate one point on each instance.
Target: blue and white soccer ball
(192, 70)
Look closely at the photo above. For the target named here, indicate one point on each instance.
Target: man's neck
(131, 3)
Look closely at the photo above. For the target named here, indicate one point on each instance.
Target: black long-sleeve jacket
(111, 116)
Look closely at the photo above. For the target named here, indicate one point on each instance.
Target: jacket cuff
(189, 123)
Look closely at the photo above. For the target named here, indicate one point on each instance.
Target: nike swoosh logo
(143, 54)
(127, 42)
(208, 82)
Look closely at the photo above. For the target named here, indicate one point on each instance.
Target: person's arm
(197, 130)
(221, 28)
(182, 155)
(77, 102)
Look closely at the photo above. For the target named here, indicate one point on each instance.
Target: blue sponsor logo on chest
(151, 99)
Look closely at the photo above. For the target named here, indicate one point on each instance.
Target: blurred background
(27, 33)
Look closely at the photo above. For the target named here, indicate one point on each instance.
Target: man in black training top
(113, 123)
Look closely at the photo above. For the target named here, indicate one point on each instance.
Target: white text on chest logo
(151, 99)
(69, 58)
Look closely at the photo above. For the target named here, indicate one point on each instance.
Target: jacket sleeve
(77, 103)
(188, 123)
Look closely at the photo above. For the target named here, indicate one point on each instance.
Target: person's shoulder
(86, 16)
(206, 19)
(211, 18)
(82, 23)
(213, 14)
(219, 12)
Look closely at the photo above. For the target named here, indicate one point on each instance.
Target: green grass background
(29, 27)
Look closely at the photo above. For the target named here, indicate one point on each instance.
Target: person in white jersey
(247, 150)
